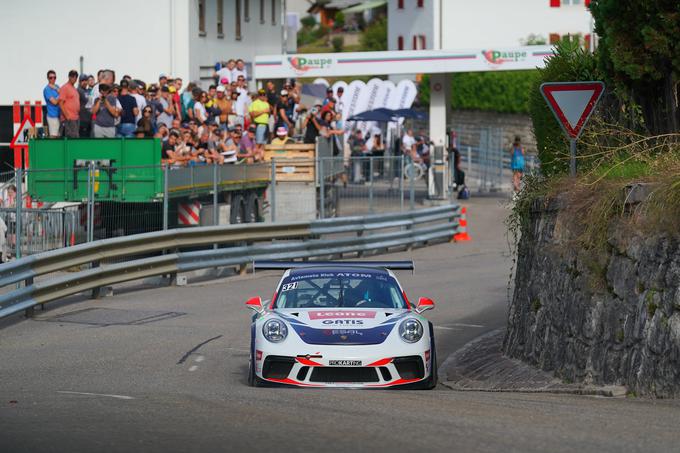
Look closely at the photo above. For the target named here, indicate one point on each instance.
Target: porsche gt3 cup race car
(341, 324)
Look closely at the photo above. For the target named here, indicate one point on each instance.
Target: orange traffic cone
(462, 234)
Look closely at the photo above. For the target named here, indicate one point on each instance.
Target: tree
(374, 37)
(534, 40)
(639, 54)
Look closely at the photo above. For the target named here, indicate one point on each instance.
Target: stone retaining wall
(611, 318)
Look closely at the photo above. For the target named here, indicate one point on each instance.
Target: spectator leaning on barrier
(259, 114)
(106, 109)
(247, 146)
(282, 137)
(51, 95)
(85, 114)
(167, 111)
(69, 103)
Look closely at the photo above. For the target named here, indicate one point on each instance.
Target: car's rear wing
(285, 265)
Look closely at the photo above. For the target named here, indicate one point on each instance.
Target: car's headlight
(275, 330)
(411, 330)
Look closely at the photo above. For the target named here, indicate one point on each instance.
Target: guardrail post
(216, 220)
(96, 292)
(18, 177)
(166, 202)
(412, 191)
(322, 190)
(90, 201)
(272, 192)
(401, 183)
(370, 184)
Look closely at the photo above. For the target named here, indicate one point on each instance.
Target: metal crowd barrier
(243, 244)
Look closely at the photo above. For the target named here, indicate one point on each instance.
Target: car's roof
(314, 269)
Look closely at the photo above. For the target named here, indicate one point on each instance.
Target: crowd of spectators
(224, 124)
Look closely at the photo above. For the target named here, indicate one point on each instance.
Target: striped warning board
(189, 214)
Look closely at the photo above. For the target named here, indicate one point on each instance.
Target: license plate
(344, 362)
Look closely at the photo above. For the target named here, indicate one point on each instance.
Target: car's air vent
(302, 374)
(277, 367)
(344, 374)
(410, 367)
(297, 315)
(386, 375)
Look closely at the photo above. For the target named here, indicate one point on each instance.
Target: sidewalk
(480, 366)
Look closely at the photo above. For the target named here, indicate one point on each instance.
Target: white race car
(341, 324)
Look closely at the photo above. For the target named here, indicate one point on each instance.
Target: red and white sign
(335, 314)
(572, 103)
(189, 214)
(23, 133)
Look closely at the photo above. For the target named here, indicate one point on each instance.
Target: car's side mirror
(255, 303)
(424, 304)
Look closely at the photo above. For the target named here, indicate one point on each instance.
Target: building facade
(461, 24)
(183, 38)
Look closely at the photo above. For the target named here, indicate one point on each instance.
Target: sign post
(572, 103)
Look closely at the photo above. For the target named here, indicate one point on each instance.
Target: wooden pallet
(294, 162)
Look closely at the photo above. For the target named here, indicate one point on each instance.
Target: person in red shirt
(69, 102)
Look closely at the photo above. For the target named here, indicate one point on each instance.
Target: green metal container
(128, 170)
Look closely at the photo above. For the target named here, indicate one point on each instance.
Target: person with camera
(312, 125)
(106, 109)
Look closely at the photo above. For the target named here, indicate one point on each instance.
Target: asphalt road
(172, 376)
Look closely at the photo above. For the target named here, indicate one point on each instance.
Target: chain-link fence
(44, 209)
(485, 159)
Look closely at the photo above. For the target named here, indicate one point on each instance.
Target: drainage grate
(113, 317)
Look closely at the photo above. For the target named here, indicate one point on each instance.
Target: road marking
(120, 397)
(193, 368)
(199, 359)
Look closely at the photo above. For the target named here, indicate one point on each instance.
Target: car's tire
(253, 208)
(432, 380)
(237, 210)
(253, 380)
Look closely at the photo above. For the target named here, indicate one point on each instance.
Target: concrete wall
(140, 38)
(128, 36)
(467, 124)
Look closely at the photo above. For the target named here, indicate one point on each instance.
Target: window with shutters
(421, 3)
(246, 10)
(274, 12)
(400, 4)
(220, 16)
(201, 18)
(400, 43)
(262, 11)
(237, 17)
(422, 42)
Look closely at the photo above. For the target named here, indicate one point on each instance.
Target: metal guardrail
(246, 243)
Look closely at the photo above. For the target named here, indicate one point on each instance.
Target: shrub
(339, 20)
(570, 62)
(337, 43)
(308, 21)
(374, 37)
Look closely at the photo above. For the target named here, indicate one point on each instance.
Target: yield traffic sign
(572, 103)
(24, 132)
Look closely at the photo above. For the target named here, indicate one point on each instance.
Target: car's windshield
(316, 289)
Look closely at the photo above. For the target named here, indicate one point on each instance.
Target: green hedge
(506, 91)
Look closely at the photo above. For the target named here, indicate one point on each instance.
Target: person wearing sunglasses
(51, 95)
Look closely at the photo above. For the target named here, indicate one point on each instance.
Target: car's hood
(352, 326)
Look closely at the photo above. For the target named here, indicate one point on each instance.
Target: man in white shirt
(225, 72)
(141, 101)
(408, 145)
(239, 69)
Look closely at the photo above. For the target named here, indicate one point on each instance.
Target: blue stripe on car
(343, 335)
